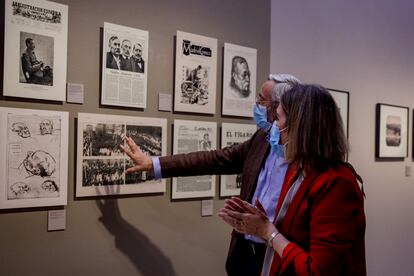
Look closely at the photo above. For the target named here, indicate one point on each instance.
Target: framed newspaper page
(33, 158)
(239, 80)
(124, 66)
(232, 134)
(101, 164)
(190, 136)
(35, 49)
(195, 73)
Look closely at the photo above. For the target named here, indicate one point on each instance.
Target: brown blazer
(246, 158)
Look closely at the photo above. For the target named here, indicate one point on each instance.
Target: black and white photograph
(124, 66)
(239, 80)
(103, 139)
(100, 161)
(233, 134)
(36, 59)
(190, 136)
(35, 49)
(195, 73)
(34, 157)
(103, 172)
(391, 132)
(149, 138)
(342, 101)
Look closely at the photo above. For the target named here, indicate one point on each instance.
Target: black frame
(377, 133)
(347, 107)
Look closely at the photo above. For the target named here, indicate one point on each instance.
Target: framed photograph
(190, 136)
(342, 101)
(391, 132)
(239, 80)
(124, 66)
(35, 49)
(100, 162)
(195, 73)
(232, 134)
(33, 158)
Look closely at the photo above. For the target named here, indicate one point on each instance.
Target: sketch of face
(138, 51)
(114, 45)
(20, 188)
(50, 186)
(39, 163)
(241, 78)
(126, 48)
(21, 129)
(31, 45)
(46, 127)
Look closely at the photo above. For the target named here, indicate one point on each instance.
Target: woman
(320, 223)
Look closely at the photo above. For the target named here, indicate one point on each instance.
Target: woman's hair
(316, 134)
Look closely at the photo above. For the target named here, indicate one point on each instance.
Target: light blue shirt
(269, 185)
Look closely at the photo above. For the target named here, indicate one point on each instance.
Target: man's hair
(283, 82)
(112, 38)
(236, 60)
(139, 44)
(316, 133)
(28, 40)
(126, 40)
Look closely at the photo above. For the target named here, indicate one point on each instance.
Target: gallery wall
(364, 47)
(134, 234)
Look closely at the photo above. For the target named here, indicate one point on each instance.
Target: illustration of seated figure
(34, 70)
(46, 127)
(39, 163)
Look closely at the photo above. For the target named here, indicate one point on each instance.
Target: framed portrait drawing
(342, 101)
(101, 164)
(232, 134)
(195, 73)
(33, 158)
(239, 80)
(124, 66)
(391, 132)
(35, 49)
(190, 136)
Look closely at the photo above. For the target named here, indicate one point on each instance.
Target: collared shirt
(269, 185)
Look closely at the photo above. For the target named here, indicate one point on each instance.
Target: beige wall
(365, 47)
(150, 235)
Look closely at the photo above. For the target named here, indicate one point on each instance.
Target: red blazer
(325, 224)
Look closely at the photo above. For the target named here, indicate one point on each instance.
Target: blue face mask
(260, 117)
(274, 139)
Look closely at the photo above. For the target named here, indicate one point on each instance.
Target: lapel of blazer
(299, 197)
(255, 165)
(290, 177)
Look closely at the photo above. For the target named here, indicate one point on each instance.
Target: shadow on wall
(145, 255)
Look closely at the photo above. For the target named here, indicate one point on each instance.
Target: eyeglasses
(261, 100)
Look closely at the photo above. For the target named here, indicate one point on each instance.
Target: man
(32, 68)
(112, 57)
(138, 64)
(240, 77)
(125, 56)
(205, 144)
(262, 171)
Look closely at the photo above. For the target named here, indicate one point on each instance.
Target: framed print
(342, 101)
(391, 132)
(35, 49)
(239, 80)
(232, 134)
(100, 162)
(190, 136)
(34, 156)
(124, 66)
(195, 73)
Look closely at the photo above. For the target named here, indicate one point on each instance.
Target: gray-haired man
(263, 171)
